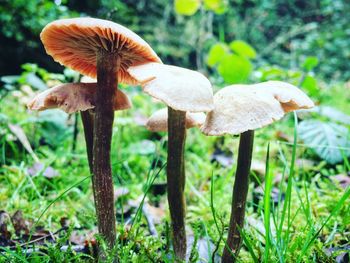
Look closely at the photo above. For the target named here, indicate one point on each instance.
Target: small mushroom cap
(179, 88)
(74, 97)
(73, 43)
(239, 108)
(159, 120)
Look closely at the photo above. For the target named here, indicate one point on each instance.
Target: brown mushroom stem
(176, 179)
(88, 124)
(75, 132)
(108, 64)
(239, 197)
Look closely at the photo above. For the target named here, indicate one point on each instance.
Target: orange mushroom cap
(73, 43)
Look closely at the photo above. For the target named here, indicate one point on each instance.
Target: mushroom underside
(74, 97)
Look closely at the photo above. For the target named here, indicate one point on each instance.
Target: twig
(40, 238)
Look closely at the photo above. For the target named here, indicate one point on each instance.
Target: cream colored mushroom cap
(73, 43)
(73, 97)
(179, 88)
(239, 108)
(159, 120)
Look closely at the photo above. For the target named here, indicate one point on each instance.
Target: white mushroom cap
(159, 120)
(73, 97)
(179, 88)
(239, 108)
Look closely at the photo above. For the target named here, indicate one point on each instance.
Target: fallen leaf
(19, 224)
(157, 213)
(82, 238)
(5, 235)
(21, 136)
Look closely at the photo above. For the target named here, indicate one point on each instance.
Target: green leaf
(35, 82)
(328, 140)
(243, 49)
(332, 114)
(310, 84)
(11, 79)
(218, 6)
(271, 73)
(30, 67)
(187, 7)
(71, 75)
(234, 69)
(216, 54)
(310, 63)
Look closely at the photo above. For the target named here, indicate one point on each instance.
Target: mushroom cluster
(113, 54)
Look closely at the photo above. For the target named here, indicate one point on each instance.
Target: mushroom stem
(75, 132)
(239, 197)
(108, 64)
(88, 124)
(176, 179)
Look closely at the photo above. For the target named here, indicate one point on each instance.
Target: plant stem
(107, 83)
(239, 197)
(75, 132)
(176, 179)
(88, 124)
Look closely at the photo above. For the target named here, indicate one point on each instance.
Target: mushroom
(240, 109)
(182, 90)
(74, 97)
(104, 50)
(158, 122)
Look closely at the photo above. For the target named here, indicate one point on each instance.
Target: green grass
(310, 213)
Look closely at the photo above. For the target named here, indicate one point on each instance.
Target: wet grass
(300, 217)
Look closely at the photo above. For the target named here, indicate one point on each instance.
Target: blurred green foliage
(305, 43)
(182, 32)
(233, 60)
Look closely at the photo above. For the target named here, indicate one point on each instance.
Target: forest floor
(303, 217)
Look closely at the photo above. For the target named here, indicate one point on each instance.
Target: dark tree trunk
(239, 196)
(176, 179)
